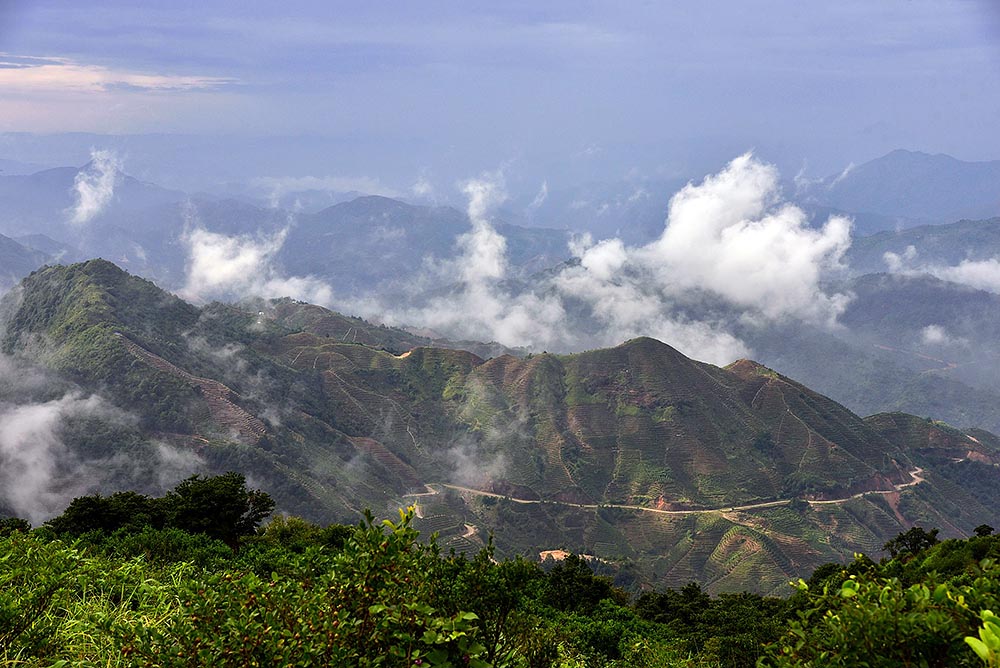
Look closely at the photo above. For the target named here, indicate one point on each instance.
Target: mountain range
(917, 340)
(659, 466)
(905, 188)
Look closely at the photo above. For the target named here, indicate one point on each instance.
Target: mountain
(16, 167)
(17, 261)
(368, 246)
(374, 243)
(915, 186)
(42, 202)
(50, 247)
(933, 245)
(665, 468)
(870, 377)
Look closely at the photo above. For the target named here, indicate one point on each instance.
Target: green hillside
(663, 468)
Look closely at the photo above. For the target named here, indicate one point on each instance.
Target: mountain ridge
(733, 476)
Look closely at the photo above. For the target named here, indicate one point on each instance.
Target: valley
(665, 468)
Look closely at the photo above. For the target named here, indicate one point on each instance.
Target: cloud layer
(34, 74)
(31, 451)
(731, 251)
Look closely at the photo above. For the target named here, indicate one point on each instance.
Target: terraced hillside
(667, 469)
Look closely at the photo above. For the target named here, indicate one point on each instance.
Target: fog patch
(42, 470)
(39, 475)
(236, 372)
(469, 466)
(937, 335)
(478, 306)
(176, 464)
(241, 266)
(979, 274)
(898, 262)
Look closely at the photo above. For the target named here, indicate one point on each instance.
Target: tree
(108, 514)
(497, 594)
(9, 525)
(911, 542)
(983, 530)
(221, 507)
(572, 586)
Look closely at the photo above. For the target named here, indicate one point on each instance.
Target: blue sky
(597, 89)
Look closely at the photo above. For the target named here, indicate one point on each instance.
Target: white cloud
(222, 266)
(422, 188)
(31, 449)
(40, 472)
(543, 194)
(843, 175)
(479, 307)
(483, 250)
(732, 235)
(897, 262)
(729, 240)
(979, 274)
(94, 186)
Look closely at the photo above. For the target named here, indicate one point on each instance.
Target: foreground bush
(869, 620)
(371, 604)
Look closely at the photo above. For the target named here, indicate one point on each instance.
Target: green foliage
(9, 525)
(987, 645)
(220, 507)
(876, 621)
(163, 547)
(107, 514)
(499, 594)
(375, 595)
(573, 587)
(911, 543)
(33, 578)
(371, 604)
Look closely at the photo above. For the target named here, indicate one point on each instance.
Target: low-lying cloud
(729, 240)
(732, 235)
(40, 472)
(978, 274)
(731, 252)
(224, 266)
(32, 452)
(94, 186)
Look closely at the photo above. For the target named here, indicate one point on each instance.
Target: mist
(731, 251)
(41, 467)
(981, 274)
(221, 266)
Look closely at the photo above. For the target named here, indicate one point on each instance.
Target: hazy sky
(596, 88)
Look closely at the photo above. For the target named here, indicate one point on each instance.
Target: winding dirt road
(916, 475)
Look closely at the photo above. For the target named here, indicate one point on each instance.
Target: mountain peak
(745, 368)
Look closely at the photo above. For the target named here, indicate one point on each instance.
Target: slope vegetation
(662, 467)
